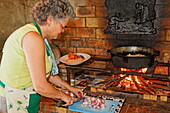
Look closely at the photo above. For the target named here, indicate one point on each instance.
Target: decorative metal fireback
(130, 17)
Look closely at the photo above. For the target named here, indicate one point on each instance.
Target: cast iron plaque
(130, 17)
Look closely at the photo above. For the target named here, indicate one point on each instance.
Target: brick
(66, 50)
(93, 43)
(93, 89)
(166, 57)
(100, 34)
(162, 23)
(153, 97)
(101, 11)
(109, 44)
(59, 42)
(85, 32)
(96, 22)
(145, 96)
(162, 8)
(85, 11)
(95, 2)
(102, 52)
(98, 64)
(124, 108)
(163, 47)
(69, 32)
(161, 69)
(163, 98)
(77, 22)
(109, 91)
(61, 110)
(160, 36)
(99, 90)
(167, 35)
(133, 109)
(78, 2)
(99, 44)
(145, 110)
(76, 42)
(50, 108)
(90, 51)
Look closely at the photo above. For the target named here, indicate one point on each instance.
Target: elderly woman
(28, 67)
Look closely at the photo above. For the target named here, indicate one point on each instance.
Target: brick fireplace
(86, 33)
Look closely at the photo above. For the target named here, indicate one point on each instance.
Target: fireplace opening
(133, 83)
(114, 78)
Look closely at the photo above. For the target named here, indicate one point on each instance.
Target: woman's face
(56, 28)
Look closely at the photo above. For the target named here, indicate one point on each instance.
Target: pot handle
(157, 53)
(109, 50)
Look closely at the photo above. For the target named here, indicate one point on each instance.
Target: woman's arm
(34, 49)
(55, 79)
(61, 83)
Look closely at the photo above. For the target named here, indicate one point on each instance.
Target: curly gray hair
(59, 9)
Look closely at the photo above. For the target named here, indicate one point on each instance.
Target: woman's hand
(78, 92)
(67, 99)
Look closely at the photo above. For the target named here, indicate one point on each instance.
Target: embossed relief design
(130, 16)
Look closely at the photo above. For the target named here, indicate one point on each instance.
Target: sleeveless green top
(14, 70)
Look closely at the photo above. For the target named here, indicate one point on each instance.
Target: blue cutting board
(108, 104)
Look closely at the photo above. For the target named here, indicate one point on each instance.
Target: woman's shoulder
(20, 32)
(33, 37)
(28, 27)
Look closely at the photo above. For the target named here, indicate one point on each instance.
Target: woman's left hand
(78, 92)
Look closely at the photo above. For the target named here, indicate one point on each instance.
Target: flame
(129, 78)
(137, 80)
(143, 70)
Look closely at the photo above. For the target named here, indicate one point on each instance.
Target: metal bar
(68, 75)
(111, 71)
(91, 69)
(101, 59)
(152, 68)
(163, 64)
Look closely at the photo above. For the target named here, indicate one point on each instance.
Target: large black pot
(125, 56)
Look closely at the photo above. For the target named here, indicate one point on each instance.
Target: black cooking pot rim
(133, 49)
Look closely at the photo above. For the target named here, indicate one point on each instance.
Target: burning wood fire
(137, 84)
